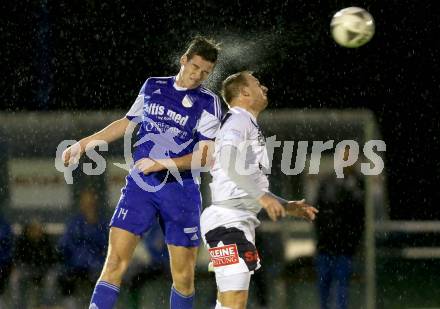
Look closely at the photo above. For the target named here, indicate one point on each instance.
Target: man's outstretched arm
(229, 155)
(113, 131)
(274, 205)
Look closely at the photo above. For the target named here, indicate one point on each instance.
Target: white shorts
(229, 235)
(234, 282)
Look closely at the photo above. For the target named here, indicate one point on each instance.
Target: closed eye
(195, 66)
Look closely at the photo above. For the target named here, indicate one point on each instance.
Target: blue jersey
(177, 116)
(173, 119)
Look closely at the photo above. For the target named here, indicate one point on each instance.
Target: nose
(265, 90)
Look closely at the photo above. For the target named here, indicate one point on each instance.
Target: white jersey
(239, 128)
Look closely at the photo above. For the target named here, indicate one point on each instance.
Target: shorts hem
(126, 229)
(182, 245)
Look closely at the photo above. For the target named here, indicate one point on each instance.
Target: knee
(183, 280)
(114, 268)
(185, 275)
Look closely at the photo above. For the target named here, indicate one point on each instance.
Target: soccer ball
(352, 27)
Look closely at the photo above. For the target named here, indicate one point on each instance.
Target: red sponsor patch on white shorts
(225, 255)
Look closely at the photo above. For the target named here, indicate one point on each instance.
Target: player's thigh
(182, 259)
(233, 290)
(121, 247)
(234, 299)
(232, 250)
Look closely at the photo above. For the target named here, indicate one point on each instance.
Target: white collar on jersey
(178, 88)
(241, 109)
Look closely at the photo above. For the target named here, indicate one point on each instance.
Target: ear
(244, 90)
(184, 59)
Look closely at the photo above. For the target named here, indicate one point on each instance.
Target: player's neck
(179, 81)
(248, 109)
(254, 113)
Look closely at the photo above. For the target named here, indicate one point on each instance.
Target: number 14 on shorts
(122, 213)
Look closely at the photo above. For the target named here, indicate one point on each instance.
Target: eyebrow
(198, 67)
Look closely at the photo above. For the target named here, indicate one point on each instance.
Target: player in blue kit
(178, 119)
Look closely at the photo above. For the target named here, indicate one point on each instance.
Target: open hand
(301, 209)
(272, 206)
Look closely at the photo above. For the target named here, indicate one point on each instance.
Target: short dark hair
(206, 48)
(232, 84)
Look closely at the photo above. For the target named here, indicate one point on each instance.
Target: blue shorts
(176, 207)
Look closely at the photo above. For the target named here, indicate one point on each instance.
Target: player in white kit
(240, 189)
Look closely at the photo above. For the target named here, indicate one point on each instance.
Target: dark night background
(80, 55)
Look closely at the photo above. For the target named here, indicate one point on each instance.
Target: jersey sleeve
(209, 122)
(138, 105)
